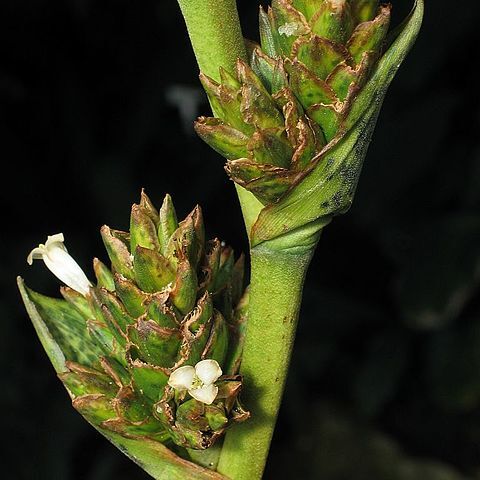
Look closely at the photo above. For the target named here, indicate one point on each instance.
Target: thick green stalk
(277, 276)
(215, 33)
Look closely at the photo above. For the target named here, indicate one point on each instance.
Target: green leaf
(223, 138)
(160, 462)
(270, 147)
(257, 106)
(184, 291)
(369, 36)
(328, 117)
(308, 88)
(364, 10)
(61, 329)
(307, 7)
(289, 24)
(49, 343)
(267, 38)
(168, 222)
(81, 380)
(117, 251)
(104, 275)
(319, 55)
(328, 189)
(131, 296)
(152, 270)
(148, 379)
(157, 346)
(333, 21)
(217, 345)
(234, 355)
(143, 231)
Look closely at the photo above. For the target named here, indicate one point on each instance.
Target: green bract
(305, 106)
(170, 299)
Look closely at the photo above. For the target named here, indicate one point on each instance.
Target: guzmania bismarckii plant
(156, 352)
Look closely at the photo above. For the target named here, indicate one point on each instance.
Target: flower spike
(152, 349)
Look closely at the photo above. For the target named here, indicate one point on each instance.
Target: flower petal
(182, 378)
(65, 268)
(36, 254)
(60, 263)
(208, 371)
(55, 240)
(206, 394)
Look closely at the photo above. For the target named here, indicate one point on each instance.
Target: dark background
(97, 100)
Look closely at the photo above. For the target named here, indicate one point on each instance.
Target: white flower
(60, 263)
(198, 381)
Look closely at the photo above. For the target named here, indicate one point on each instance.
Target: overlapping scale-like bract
(283, 108)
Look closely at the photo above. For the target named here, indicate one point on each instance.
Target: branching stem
(278, 269)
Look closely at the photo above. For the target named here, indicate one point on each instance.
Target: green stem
(277, 278)
(215, 33)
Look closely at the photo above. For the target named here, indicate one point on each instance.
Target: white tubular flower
(60, 263)
(198, 381)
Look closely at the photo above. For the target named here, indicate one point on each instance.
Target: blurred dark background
(97, 101)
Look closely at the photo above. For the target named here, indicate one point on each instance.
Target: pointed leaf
(307, 7)
(200, 315)
(131, 296)
(268, 183)
(96, 408)
(267, 38)
(61, 329)
(184, 291)
(333, 21)
(109, 301)
(148, 379)
(157, 346)
(158, 461)
(104, 275)
(117, 251)
(78, 301)
(148, 207)
(369, 36)
(289, 25)
(225, 103)
(364, 10)
(327, 117)
(319, 55)
(227, 141)
(309, 88)
(47, 339)
(270, 146)
(160, 312)
(152, 270)
(81, 380)
(143, 232)
(217, 345)
(264, 67)
(257, 107)
(167, 222)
